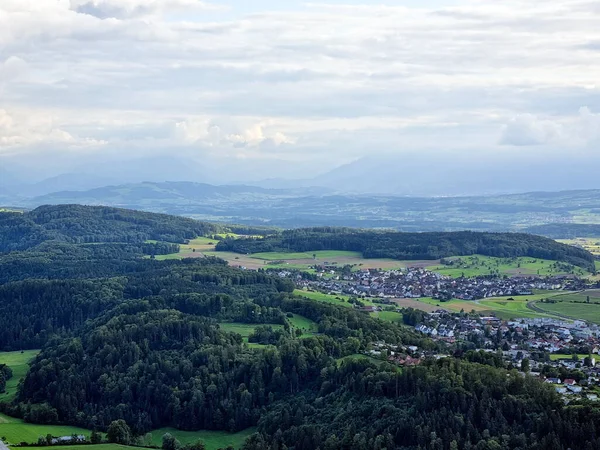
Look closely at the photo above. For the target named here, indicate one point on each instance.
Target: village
(562, 353)
(418, 282)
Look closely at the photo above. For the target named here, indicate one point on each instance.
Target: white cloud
(575, 131)
(136, 8)
(21, 130)
(312, 81)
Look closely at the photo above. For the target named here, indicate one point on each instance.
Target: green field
(17, 432)
(320, 255)
(574, 305)
(476, 265)
(590, 313)
(556, 357)
(305, 324)
(245, 329)
(502, 307)
(591, 244)
(340, 300)
(19, 363)
(88, 447)
(212, 439)
(389, 316)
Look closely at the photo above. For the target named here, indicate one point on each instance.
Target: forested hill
(148, 342)
(81, 241)
(78, 224)
(412, 246)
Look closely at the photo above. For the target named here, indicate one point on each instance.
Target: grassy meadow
(19, 363)
(591, 244)
(575, 305)
(477, 265)
(212, 439)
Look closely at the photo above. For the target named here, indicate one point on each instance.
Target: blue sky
(290, 85)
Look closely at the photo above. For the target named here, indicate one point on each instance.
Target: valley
(163, 331)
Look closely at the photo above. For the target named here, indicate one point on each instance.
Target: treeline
(163, 367)
(76, 224)
(5, 375)
(413, 246)
(32, 311)
(441, 405)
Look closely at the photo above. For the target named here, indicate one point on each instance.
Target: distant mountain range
(298, 207)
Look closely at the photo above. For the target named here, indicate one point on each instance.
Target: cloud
(21, 130)
(228, 133)
(312, 81)
(122, 9)
(12, 69)
(530, 130)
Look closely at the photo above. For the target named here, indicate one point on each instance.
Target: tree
(169, 442)
(198, 445)
(525, 365)
(95, 438)
(119, 432)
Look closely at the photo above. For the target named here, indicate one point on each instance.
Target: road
(2, 446)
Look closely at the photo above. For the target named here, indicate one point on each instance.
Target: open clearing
(591, 244)
(556, 357)
(477, 265)
(574, 305)
(204, 246)
(212, 439)
(415, 304)
(342, 300)
(17, 432)
(19, 363)
(88, 447)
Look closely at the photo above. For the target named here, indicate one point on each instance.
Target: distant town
(562, 352)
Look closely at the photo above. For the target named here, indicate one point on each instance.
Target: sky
(287, 88)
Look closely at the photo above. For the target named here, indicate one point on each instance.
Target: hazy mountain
(435, 175)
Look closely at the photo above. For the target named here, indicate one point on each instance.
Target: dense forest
(134, 340)
(412, 246)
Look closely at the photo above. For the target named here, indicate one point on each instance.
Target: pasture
(19, 363)
(212, 439)
(503, 307)
(87, 447)
(303, 323)
(591, 244)
(574, 305)
(342, 300)
(556, 357)
(244, 329)
(16, 432)
(477, 265)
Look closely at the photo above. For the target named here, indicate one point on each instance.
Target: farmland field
(476, 265)
(244, 329)
(306, 325)
(590, 244)
(574, 305)
(18, 431)
(556, 357)
(88, 447)
(19, 363)
(212, 439)
(503, 307)
(340, 300)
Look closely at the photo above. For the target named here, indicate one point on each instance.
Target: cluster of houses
(418, 282)
(518, 340)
